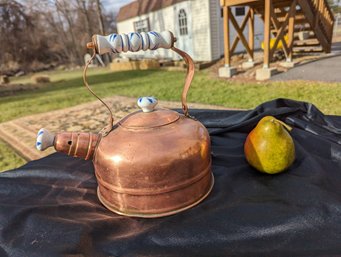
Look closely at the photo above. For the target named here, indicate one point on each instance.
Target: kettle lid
(149, 117)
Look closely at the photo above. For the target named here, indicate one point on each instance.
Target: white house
(197, 24)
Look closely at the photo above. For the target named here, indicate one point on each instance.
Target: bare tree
(65, 9)
(82, 6)
(40, 34)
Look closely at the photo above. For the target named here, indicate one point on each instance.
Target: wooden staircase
(314, 21)
(321, 20)
(291, 25)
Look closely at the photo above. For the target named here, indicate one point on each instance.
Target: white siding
(159, 21)
(205, 39)
(165, 19)
(201, 30)
(217, 46)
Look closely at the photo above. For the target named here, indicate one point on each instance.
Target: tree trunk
(82, 6)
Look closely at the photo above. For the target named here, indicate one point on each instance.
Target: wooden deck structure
(283, 20)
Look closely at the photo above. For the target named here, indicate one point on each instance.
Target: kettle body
(154, 169)
(152, 163)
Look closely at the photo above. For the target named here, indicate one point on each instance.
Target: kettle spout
(76, 144)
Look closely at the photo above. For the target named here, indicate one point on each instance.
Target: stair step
(297, 15)
(311, 36)
(306, 49)
(311, 14)
(278, 11)
(308, 42)
(297, 30)
(305, 17)
(298, 18)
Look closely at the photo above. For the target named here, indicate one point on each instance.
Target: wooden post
(252, 33)
(240, 34)
(291, 31)
(240, 29)
(227, 36)
(267, 35)
(317, 17)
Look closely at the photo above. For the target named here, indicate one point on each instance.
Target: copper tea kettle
(152, 163)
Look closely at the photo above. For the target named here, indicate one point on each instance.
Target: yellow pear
(269, 147)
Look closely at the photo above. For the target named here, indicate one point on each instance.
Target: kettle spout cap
(45, 139)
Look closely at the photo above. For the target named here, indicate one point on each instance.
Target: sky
(114, 5)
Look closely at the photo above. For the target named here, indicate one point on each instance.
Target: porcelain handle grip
(132, 42)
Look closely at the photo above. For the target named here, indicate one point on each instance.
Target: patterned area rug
(21, 133)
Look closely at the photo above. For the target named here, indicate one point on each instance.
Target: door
(183, 21)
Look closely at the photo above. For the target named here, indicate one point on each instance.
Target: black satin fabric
(49, 207)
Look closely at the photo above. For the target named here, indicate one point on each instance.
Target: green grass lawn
(8, 158)
(66, 89)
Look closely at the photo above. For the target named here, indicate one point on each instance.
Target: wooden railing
(321, 20)
(324, 17)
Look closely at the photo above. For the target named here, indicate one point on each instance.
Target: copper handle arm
(189, 77)
(117, 43)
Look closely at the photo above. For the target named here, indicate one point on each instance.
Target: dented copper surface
(154, 170)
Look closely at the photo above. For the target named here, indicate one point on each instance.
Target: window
(183, 22)
(141, 25)
(240, 11)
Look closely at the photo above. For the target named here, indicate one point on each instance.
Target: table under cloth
(49, 207)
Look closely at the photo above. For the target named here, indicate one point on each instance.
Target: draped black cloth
(49, 207)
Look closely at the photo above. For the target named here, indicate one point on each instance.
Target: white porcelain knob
(45, 139)
(147, 103)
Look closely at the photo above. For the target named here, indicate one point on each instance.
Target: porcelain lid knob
(147, 103)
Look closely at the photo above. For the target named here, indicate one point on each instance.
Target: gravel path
(21, 133)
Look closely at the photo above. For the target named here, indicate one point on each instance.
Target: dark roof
(140, 7)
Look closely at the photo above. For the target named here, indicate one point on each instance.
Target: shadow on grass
(93, 81)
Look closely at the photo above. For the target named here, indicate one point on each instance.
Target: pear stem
(285, 125)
